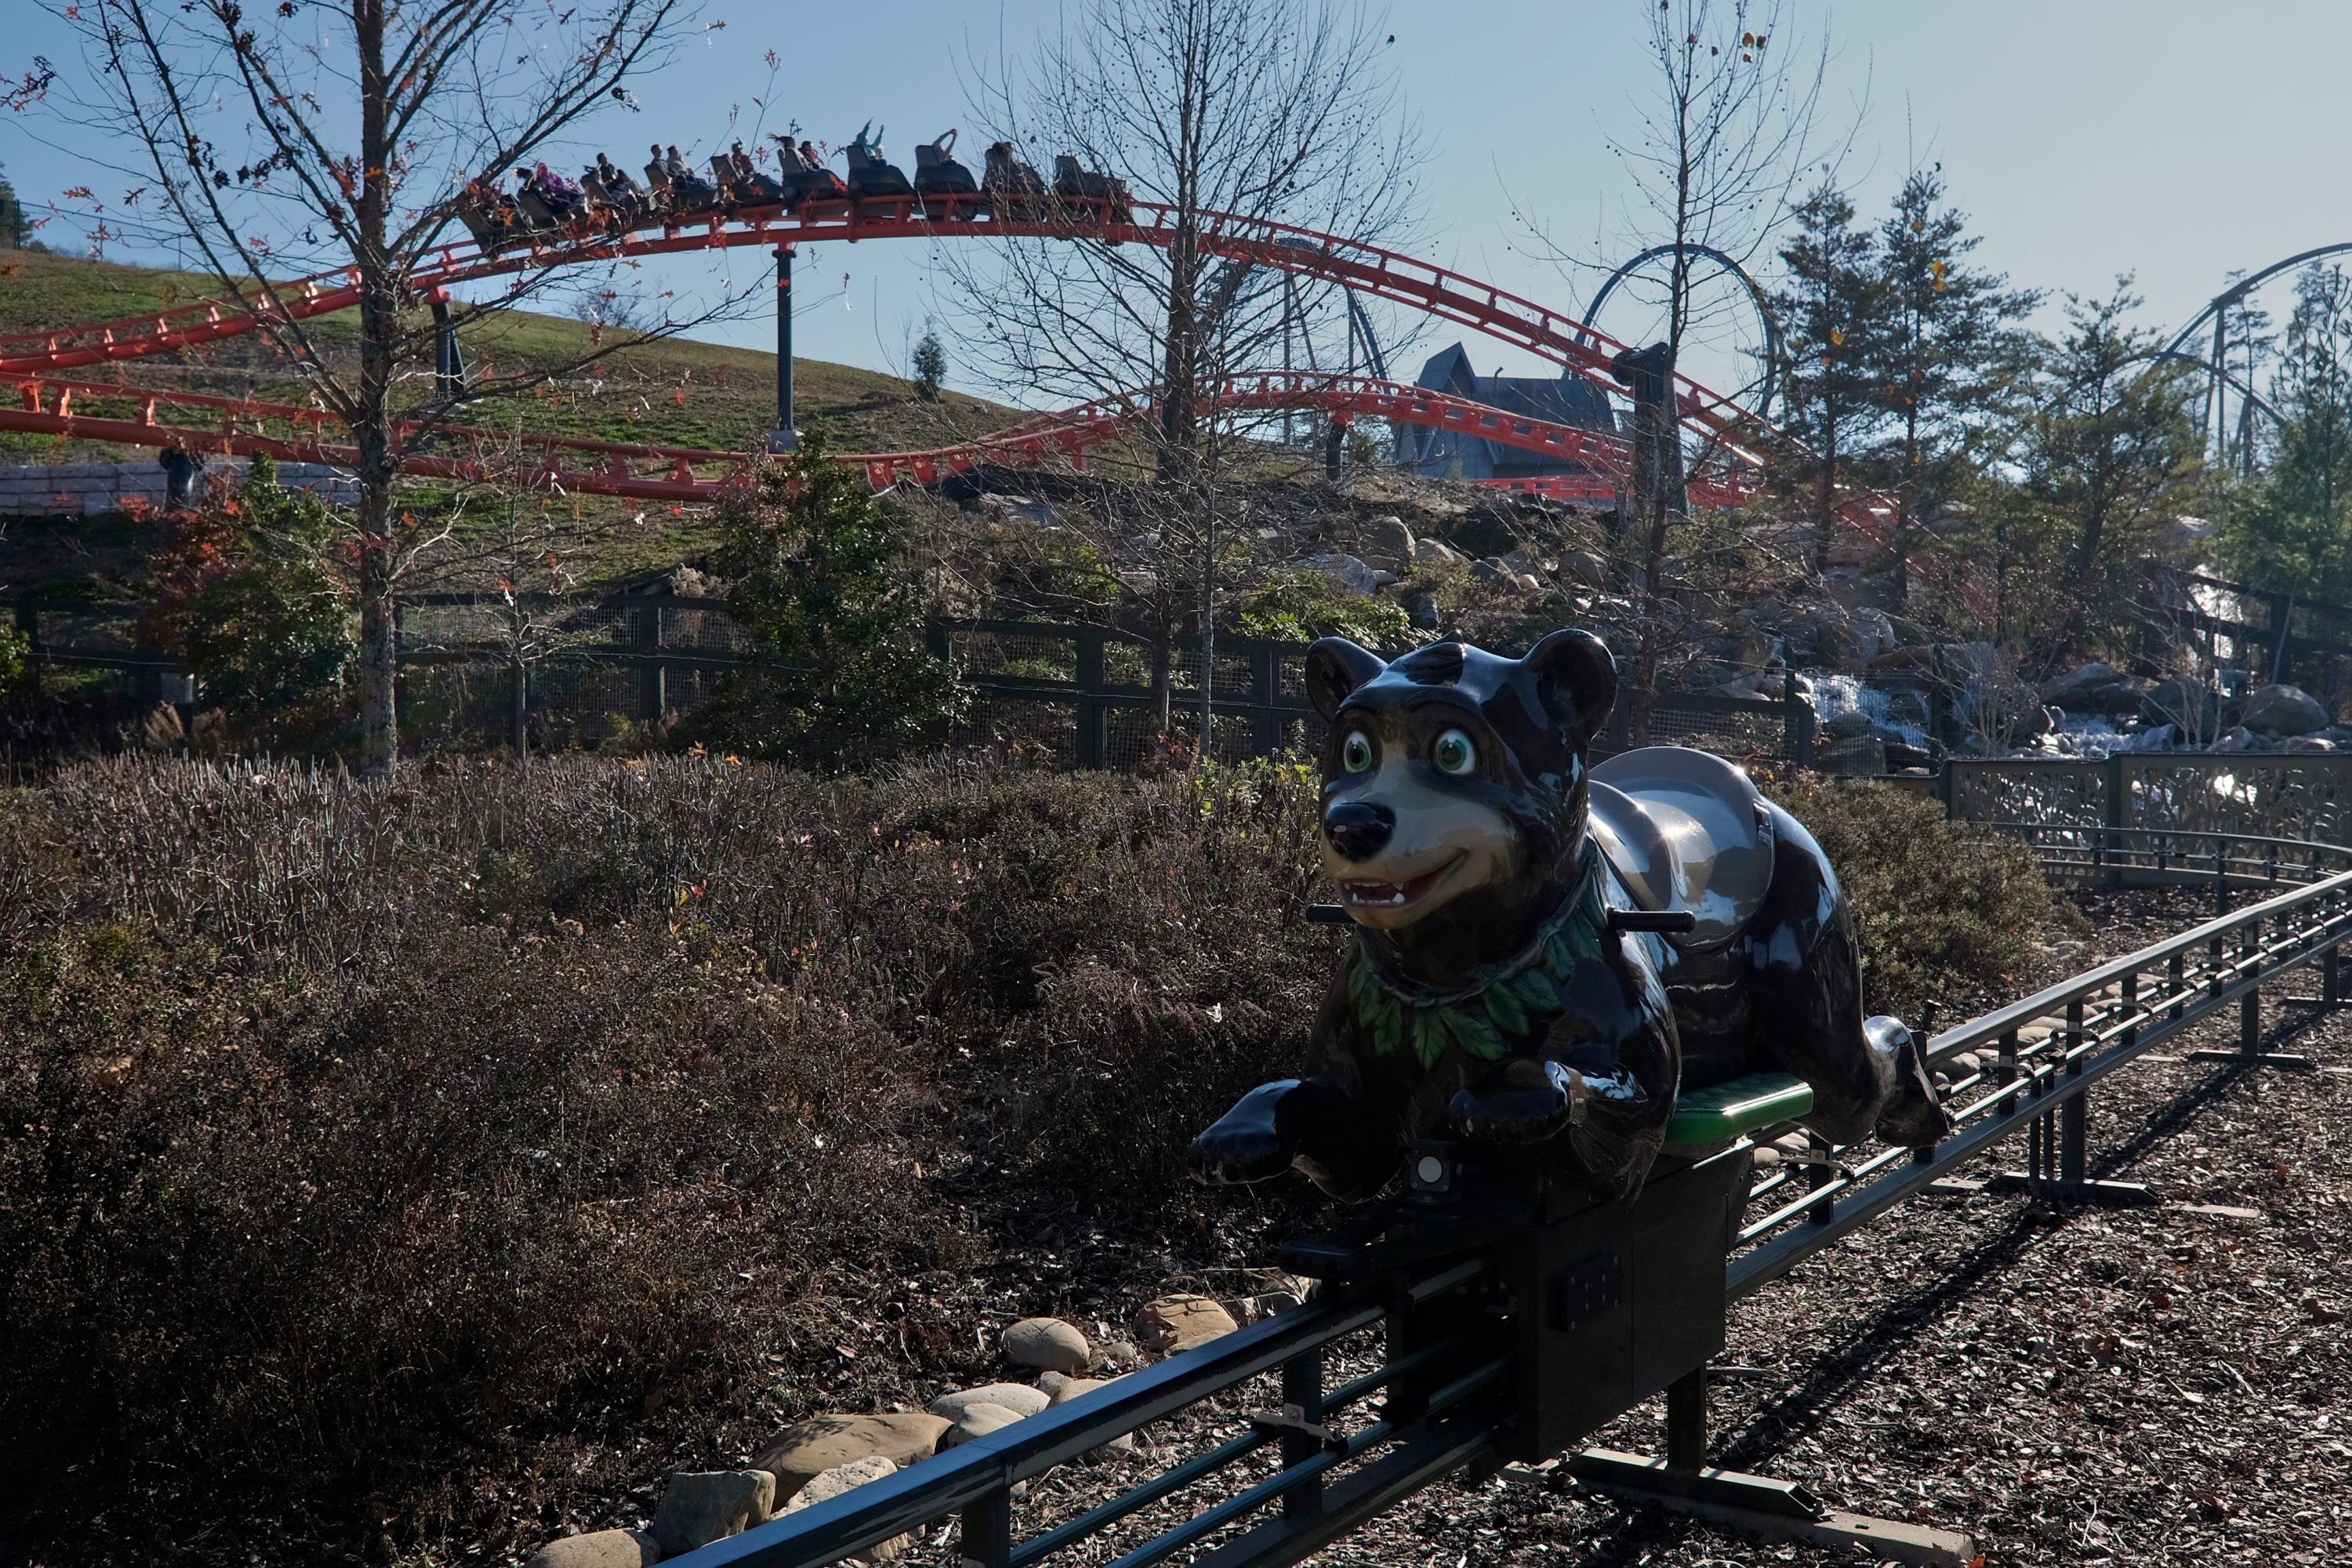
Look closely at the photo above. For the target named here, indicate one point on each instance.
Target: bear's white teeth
(1374, 895)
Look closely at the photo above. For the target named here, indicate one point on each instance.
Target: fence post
(652, 687)
(1266, 686)
(1092, 741)
(29, 621)
(1302, 1391)
(1797, 723)
(2114, 835)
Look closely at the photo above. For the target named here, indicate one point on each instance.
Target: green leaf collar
(1516, 997)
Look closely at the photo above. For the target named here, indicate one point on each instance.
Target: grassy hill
(672, 392)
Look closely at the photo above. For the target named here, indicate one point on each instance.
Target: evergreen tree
(1832, 312)
(844, 678)
(245, 595)
(1949, 349)
(2292, 528)
(14, 231)
(2109, 448)
(930, 367)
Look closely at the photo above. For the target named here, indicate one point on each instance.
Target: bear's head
(1453, 793)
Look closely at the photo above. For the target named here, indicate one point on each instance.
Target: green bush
(247, 595)
(845, 679)
(1299, 606)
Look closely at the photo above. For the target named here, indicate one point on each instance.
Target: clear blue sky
(2086, 137)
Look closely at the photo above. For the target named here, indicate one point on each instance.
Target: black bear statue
(1490, 996)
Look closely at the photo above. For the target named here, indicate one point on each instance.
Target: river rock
(599, 1548)
(978, 1420)
(699, 1506)
(849, 1477)
(1173, 1324)
(1047, 1344)
(2309, 744)
(802, 1453)
(2282, 710)
(1434, 552)
(1018, 1397)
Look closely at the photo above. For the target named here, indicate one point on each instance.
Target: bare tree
(1263, 110)
(344, 135)
(1731, 123)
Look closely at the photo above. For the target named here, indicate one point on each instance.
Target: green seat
(1726, 1110)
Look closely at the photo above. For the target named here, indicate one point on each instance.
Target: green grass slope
(666, 392)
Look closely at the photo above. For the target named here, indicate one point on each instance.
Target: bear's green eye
(1454, 753)
(1356, 752)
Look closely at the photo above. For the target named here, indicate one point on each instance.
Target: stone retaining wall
(90, 489)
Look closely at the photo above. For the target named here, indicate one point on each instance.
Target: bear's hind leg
(1910, 1119)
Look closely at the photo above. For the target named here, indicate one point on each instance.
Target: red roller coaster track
(33, 359)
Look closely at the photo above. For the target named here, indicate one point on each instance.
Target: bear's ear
(1335, 668)
(1579, 683)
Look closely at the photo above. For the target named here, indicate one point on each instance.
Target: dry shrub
(1948, 912)
(324, 1243)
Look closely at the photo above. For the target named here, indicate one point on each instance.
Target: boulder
(1173, 1324)
(820, 1444)
(848, 1478)
(2302, 744)
(1047, 1344)
(1346, 573)
(1434, 552)
(1018, 1397)
(1872, 633)
(1753, 651)
(978, 1421)
(1586, 568)
(2184, 535)
(699, 1506)
(599, 1548)
(1860, 757)
(1525, 563)
(2074, 691)
(2282, 710)
(1494, 575)
(2193, 709)
(1845, 726)
(1390, 543)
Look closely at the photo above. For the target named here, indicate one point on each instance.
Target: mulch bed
(2074, 1386)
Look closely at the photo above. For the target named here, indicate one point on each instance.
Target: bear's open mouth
(1395, 895)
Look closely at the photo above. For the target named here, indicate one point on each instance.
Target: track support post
(785, 437)
(2250, 1052)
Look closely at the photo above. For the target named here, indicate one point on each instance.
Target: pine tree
(14, 230)
(844, 678)
(2109, 446)
(2292, 529)
(930, 367)
(1831, 313)
(1948, 349)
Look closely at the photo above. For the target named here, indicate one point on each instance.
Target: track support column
(1687, 1421)
(785, 437)
(2250, 1052)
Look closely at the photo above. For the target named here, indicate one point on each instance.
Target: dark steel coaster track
(1449, 1396)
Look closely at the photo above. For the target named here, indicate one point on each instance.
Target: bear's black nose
(1358, 829)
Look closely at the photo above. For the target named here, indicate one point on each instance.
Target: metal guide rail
(1492, 1323)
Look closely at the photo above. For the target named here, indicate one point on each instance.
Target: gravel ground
(2101, 1385)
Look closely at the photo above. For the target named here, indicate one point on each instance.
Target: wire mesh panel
(1026, 656)
(1039, 731)
(1732, 730)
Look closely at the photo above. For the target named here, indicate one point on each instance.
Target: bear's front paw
(1521, 1103)
(1226, 1155)
(1249, 1142)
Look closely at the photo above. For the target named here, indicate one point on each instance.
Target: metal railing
(1443, 1398)
(2049, 1049)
